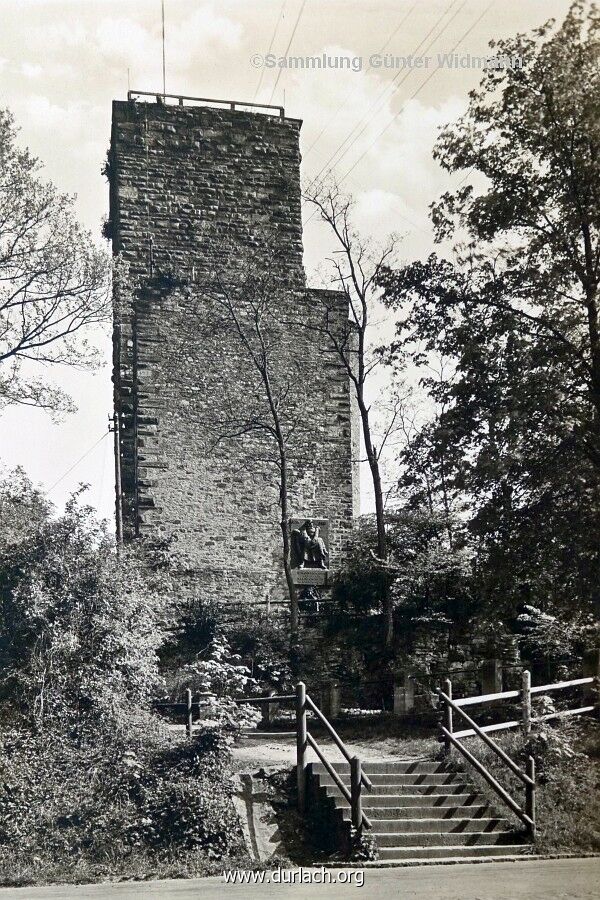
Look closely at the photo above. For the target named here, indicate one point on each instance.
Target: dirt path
(271, 753)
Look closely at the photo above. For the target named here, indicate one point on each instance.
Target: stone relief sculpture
(309, 550)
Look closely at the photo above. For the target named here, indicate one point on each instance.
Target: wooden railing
(358, 778)
(526, 814)
(452, 738)
(304, 740)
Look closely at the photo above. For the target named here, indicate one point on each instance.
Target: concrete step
(422, 790)
(406, 798)
(419, 854)
(439, 826)
(427, 779)
(384, 768)
(435, 839)
(442, 813)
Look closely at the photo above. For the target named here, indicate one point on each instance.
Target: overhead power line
(271, 42)
(418, 90)
(390, 89)
(75, 464)
(287, 49)
(342, 105)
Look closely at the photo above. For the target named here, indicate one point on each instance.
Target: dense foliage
(80, 625)
(505, 335)
(91, 781)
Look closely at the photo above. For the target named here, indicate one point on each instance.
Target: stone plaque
(313, 577)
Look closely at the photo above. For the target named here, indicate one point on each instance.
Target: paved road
(567, 879)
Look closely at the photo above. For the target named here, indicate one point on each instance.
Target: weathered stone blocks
(195, 190)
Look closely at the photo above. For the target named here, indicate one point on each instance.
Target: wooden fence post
(530, 794)
(526, 702)
(188, 712)
(448, 715)
(301, 745)
(355, 790)
(591, 668)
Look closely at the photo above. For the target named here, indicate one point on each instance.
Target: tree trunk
(287, 563)
(592, 318)
(373, 460)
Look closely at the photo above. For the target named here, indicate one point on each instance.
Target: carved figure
(308, 548)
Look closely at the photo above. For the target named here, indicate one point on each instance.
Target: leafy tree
(53, 280)
(428, 578)
(516, 434)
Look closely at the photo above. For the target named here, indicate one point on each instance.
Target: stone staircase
(420, 810)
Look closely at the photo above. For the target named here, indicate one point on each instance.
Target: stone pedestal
(491, 676)
(331, 700)
(404, 696)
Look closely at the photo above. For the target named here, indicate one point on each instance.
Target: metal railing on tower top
(182, 99)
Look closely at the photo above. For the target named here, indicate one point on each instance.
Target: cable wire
(272, 41)
(395, 84)
(419, 89)
(368, 69)
(287, 49)
(75, 464)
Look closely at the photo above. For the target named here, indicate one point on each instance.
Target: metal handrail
(232, 104)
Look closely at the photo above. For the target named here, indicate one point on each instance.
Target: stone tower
(191, 187)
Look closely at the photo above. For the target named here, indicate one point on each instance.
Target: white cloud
(126, 42)
(31, 70)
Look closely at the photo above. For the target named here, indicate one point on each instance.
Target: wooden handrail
(510, 802)
(487, 740)
(273, 698)
(564, 712)
(561, 685)
(513, 695)
(501, 726)
(487, 698)
(336, 739)
(338, 781)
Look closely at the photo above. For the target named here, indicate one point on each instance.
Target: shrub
(86, 802)
(80, 624)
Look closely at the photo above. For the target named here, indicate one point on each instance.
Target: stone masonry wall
(194, 191)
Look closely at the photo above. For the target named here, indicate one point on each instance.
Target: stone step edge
(497, 820)
(430, 834)
(453, 861)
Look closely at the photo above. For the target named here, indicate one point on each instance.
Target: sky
(62, 62)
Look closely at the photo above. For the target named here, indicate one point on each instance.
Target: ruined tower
(193, 186)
